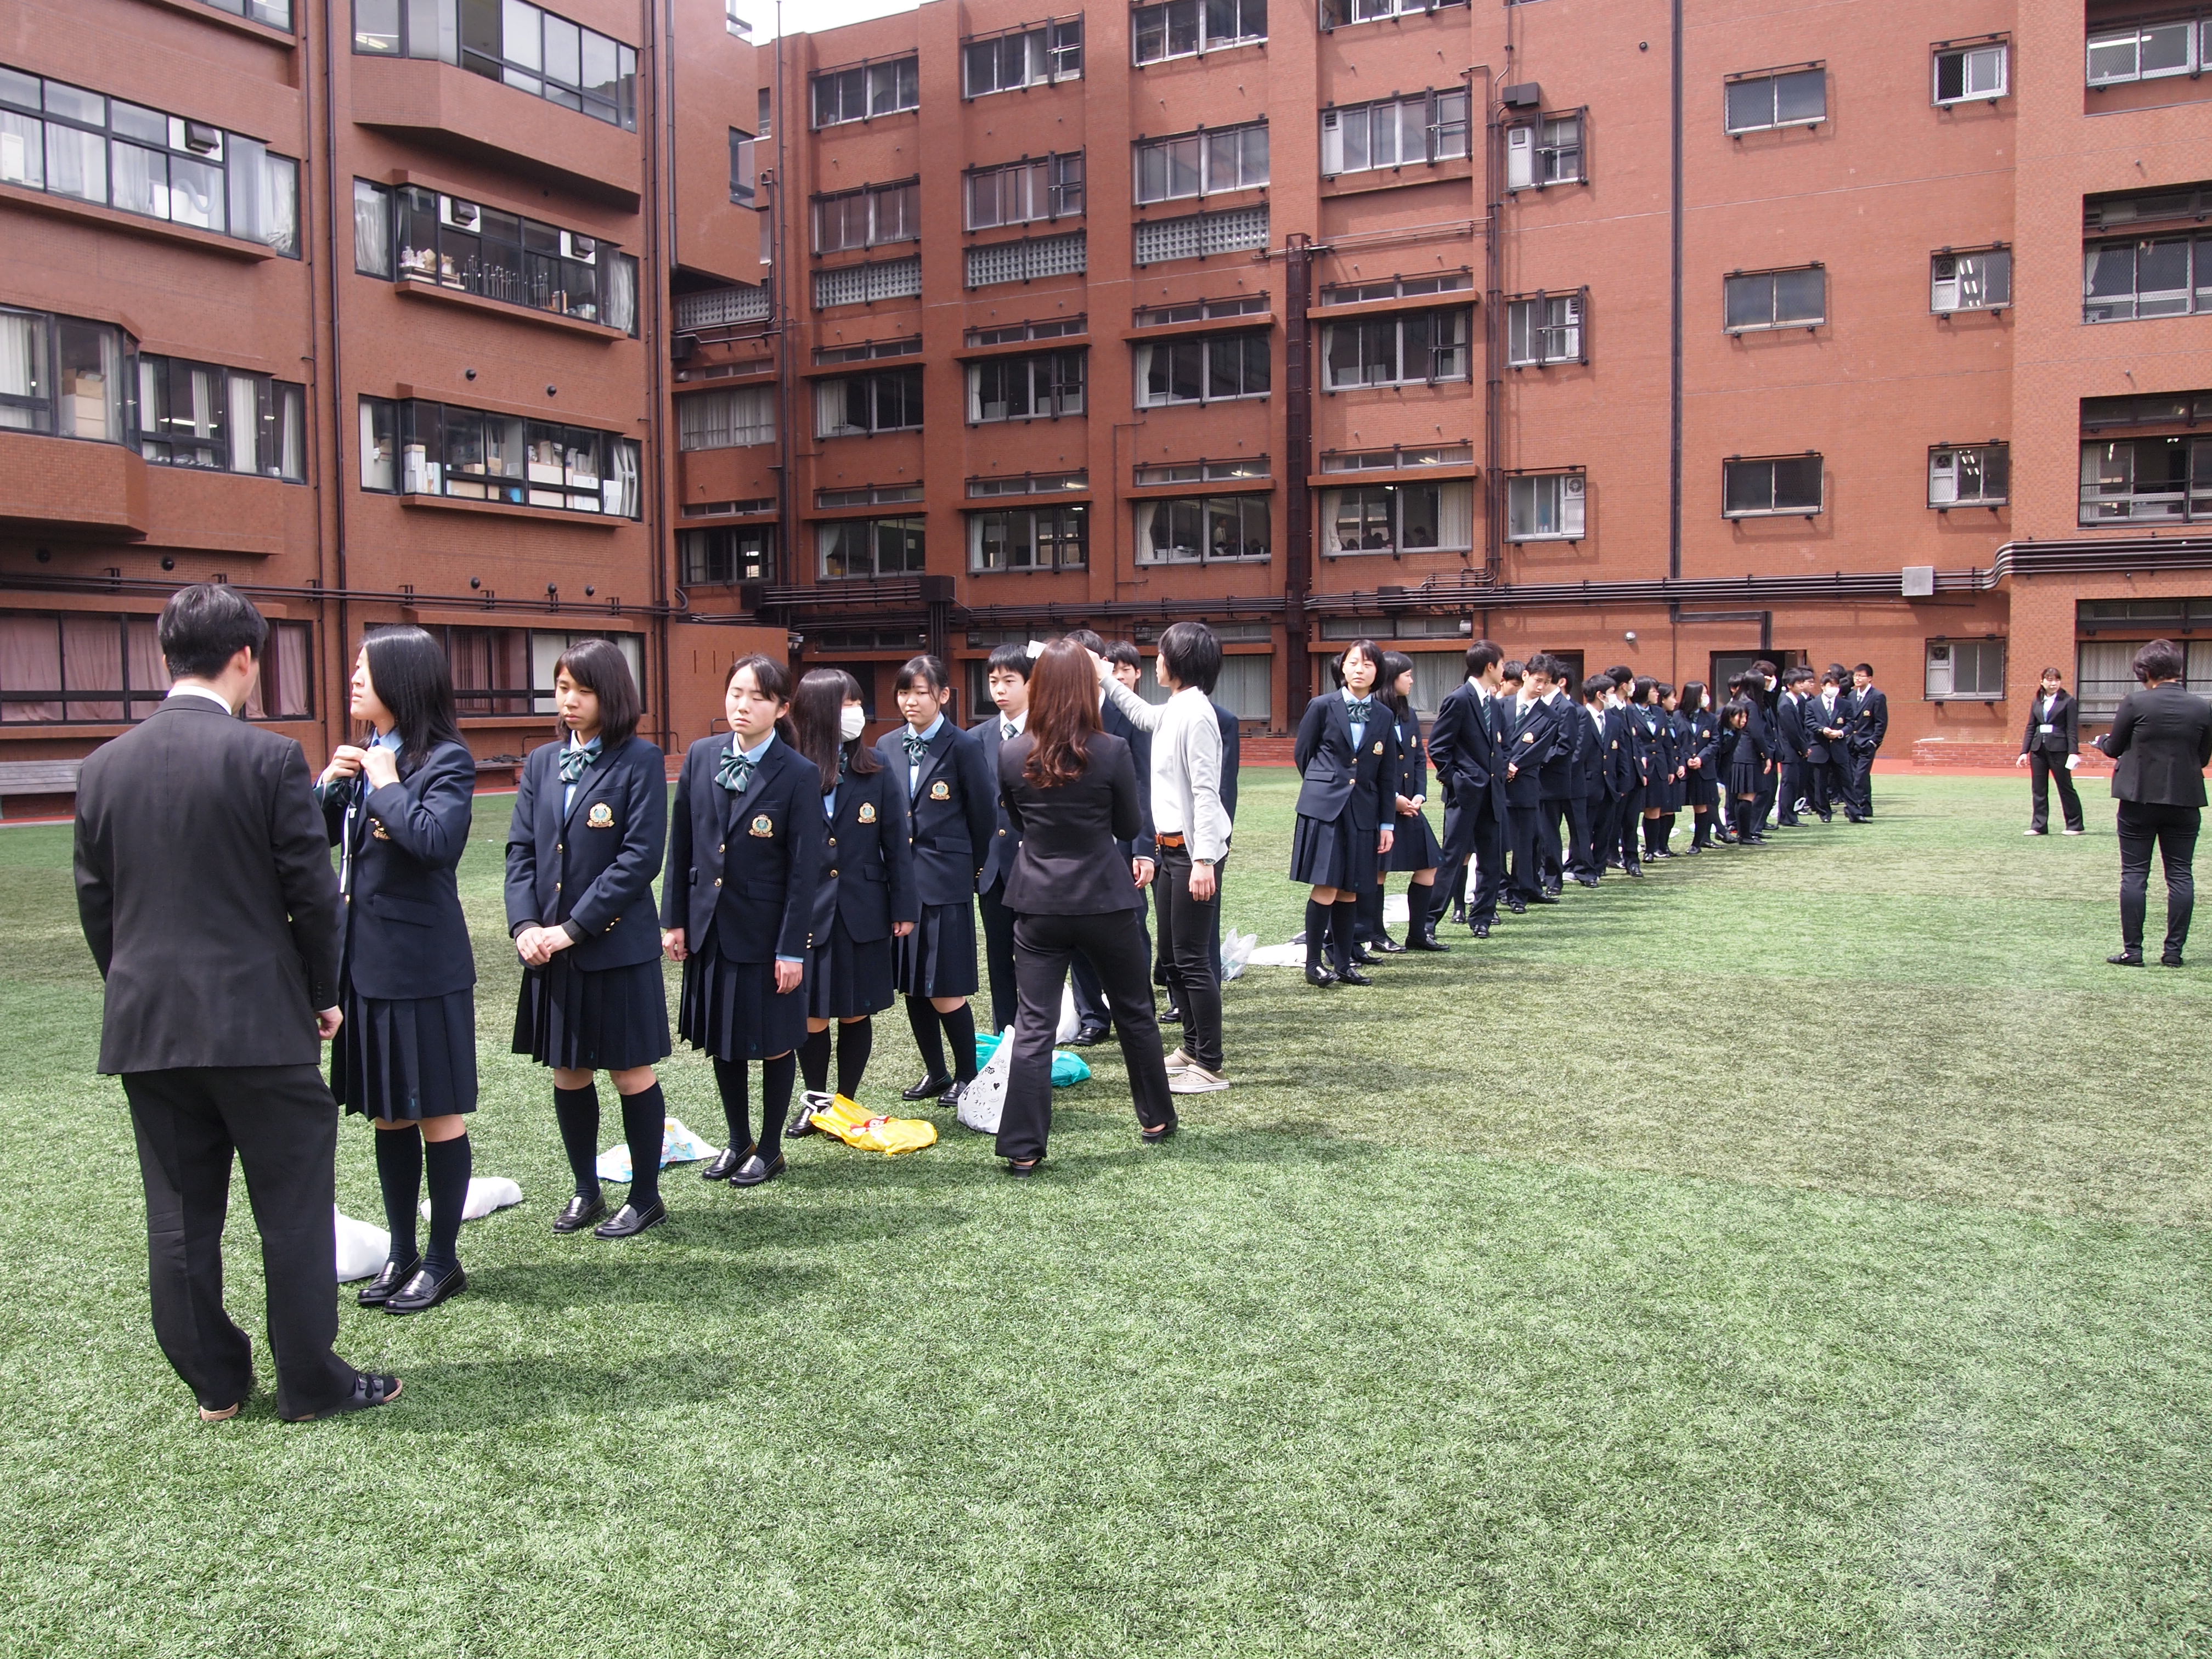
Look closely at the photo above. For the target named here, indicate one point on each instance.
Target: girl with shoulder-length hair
(399, 807)
(866, 898)
(1413, 845)
(1700, 761)
(1347, 754)
(1071, 790)
(591, 822)
(746, 851)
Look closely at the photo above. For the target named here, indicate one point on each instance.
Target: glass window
(1052, 52)
(2163, 480)
(1780, 485)
(871, 547)
(1202, 368)
(1972, 475)
(1412, 518)
(1202, 529)
(1547, 507)
(739, 418)
(2143, 52)
(866, 90)
(744, 179)
(1966, 670)
(1968, 72)
(510, 42)
(1335, 13)
(1980, 281)
(1029, 538)
(1398, 132)
(868, 217)
(1548, 151)
(728, 553)
(1047, 384)
(1776, 299)
(1544, 328)
(1799, 98)
(1023, 190)
(419, 448)
(889, 401)
(2153, 276)
(1406, 347)
(1179, 28)
(500, 256)
(1200, 163)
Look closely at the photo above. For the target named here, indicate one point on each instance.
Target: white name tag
(2046, 728)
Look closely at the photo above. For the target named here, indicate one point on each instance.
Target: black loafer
(928, 1089)
(628, 1222)
(1424, 942)
(1543, 898)
(1352, 976)
(1459, 915)
(1087, 1037)
(580, 1213)
(2125, 959)
(425, 1290)
(1023, 1170)
(1385, 946)
(2172, 959)
(950, 1100)
(370, 1389)
(389, 1277)
(1517, 907)
(755, 1169)
(1316, 974)
(1481, 930)
(725, 1164)
(1170, 1015)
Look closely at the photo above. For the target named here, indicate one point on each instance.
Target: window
(1026, 57)
(1397, 288)
(546, 650)
(866, 90)
(278, 14)
(869, 495)
(1246, 686)
(906, 345)
(879, 279)
(1963, 73)
(1198, 234)
(1029, 484)
(1981, 281)
(871, 547)
(2153, 276)
(867, 217)
(1049, 328)
(1047, 384)
(1404, 347)
(1335, 13)
(1020, 192)
(733, 23)
(859, 404)
(1400, 132)
(1202, 368)
(2145, 52)
(1762, 486)
(68, 142)
(64, 376)
(1966, 671)
(766, 103)
(1202, 163)
(490, 668)
(718, 510)
(1545, 152)
(1777, 298)
(1396, 458)
(1065, 255)
(1777, 97)
(744, 176)
(80, 667)
(1029, 538)
(2166, 480)
(225, 420)
(1970, 475)
(738, 418)
(1544, 328)
(729, 553)
(1194, 311)
(414, 235)
(410, 447)
(1202, 529)
(1546, 506)
(1170, 472)
(1181, 27)
(513, 42)
(1435, 518)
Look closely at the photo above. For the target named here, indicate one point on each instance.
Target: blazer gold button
(724, 848)
(560, 845)
(718, 881)
(833, 873)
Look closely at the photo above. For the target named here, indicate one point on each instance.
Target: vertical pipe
(1674, 340)
(333, 477)
(660, 215)
(1494, 330)
(1297, 376)
(786, 563)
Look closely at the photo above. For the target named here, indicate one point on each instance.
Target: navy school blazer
(1534, 739)
(1561, 775)
(1413, 780)
(868, 881)
(1601, 752)
(405, 936)
(746, 867)
(1703, 745)
(591, 868)
(951, 816)
(1337, 781)
(1870, 720)
(1463, 743)
(1005, 840)
(1232, 751)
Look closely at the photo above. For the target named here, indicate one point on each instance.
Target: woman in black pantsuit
(405, 1056)
(591, 820)
(1071, 791)
(2162, 737)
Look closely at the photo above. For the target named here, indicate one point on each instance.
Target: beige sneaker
(1179, 1061)
(1195, 1080)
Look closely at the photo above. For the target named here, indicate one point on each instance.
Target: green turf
(1796, 1252)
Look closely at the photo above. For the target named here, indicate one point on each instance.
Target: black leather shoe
(1352, 976)
(1362, 958)
(1087, 1035)
(725, 1164)
(2125, 959)
(1024, 1171)
(754, 1171)
(1385, 946)
(1170, 1015)
(950, 1100)
(389, 1277)
(1543, 898)
(928, 1088)
(2171, 959)
(370, 1389)
(425, 1290)
(1517, 907)
(580, 1213)
(1459, 915)
(1634, 870)
(629, 1221)
(1318, 975)
(1425, 941)
(1481, 930)
(1587, 881)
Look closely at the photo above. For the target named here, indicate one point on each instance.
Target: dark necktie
(575, 761)
(734, 771)
(1007, 732)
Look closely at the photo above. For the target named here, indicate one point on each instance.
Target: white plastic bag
(362, 1248)
(1070, 1021)
(984, 1101)
(1292, 955)
(1235, 953)
(677, 1145)
(486, 1193)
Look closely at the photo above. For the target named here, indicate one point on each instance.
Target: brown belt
(1170, 840)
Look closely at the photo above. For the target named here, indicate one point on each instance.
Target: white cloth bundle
(677, 1145)
(486, 1193)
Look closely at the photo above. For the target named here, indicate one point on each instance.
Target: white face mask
(850, 721)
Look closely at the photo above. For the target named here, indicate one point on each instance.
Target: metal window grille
(879, 279)
(1201, 233)
(718, 306)
(1027, 260)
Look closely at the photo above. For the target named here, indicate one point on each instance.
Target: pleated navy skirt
(606, 1019)
(849, 977)
(1415, 846)
(1672, 795)
(938, 959)
(1743, 778)
(1702, 790)
(1333, 854)
(731, 1010)
(407, 1060)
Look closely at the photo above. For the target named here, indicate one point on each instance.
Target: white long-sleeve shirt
(1186, 767)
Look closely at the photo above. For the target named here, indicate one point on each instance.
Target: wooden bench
(37, 778)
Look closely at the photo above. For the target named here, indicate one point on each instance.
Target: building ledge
(206, 14)
(136, 224)
(74, 487)
(513, 510)
(411, 288)
(1140, 333)
(1400, 177)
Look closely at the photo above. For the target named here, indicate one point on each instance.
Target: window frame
(2192, 299)
(530, 72)
(1950, 649)
(695, 544)
(1777, 323)
(904, 74)
(1995, 252)
(1206, 346)
(1055, 383)
(1049, 44)
(906, 382)
(1772, 463)
(2197, 57)
(872, 198)
(1058, 182)
(871, 530)
(1966, 52)
(1329, 520)
(1207, 145)
(275, 401)
(413, 424)
(1433, 119)
(696, 433)
(463, 252)
(1995, 461)
(1346, 14)
(1570, 509)
(1203, 41)
(2193, 498)
(1773, 79)
(1145, 517)
(1541, 156)
(1071, 528)
(1399, 324)
(1521, 325)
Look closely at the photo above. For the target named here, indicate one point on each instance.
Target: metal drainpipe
(659, 155)
(333, 476)
(1674, 343)
(1493, 329)
(779, 276)
(1297, 374)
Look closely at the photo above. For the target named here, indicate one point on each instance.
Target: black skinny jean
(1186, 934)
(2173, 829)
(2046, 769)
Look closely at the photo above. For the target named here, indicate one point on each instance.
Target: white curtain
(372, 229)
(620, 489)
(291, 435)
(76, 163)
(22, 351)
(619, 272)
(22, 150)
(1456, 516)
(1332, 504)
(829, 409)
(142, 181)
(245, 428)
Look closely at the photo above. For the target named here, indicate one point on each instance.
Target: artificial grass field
(1801, 1252)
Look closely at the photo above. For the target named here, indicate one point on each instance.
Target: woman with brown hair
(1071, 790)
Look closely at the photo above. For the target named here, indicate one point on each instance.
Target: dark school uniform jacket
(1531, 739)
(2056, 731)
(589, 869)
(1231, 750)
(746, 865)
(868, 882)
(1338, 782)
(1600, 758)
(1790, 725)
(952, 817)
(405, 934)
(1870, 720)
(1703, 746)
(1463, 745)
(1005, 840)
(1118, 725)
(1070, 862)
(2162, 737)
(1413, 780)
(1560, 778)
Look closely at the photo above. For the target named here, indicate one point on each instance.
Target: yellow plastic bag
(849, 1122)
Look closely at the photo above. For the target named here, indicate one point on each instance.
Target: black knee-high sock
(1418, 900)
(1317, 928)
(1343, 932)
(577, 1110)
(856, 1040)
(645, 1124)
(737, 1103)
(777, 1076)
(446, 1166)
(399, 1173)
(1666, 832)
(814, 1059)
(928, 1034)
(960, 1038)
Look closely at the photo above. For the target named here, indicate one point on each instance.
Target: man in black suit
(2052, 746)
(1231, 758)
(1605, 778)
(1463, 748)
(1765, 690)
(1090, 1003)
(1828, 722)
(1797, 746)
(1869, 726)
(1008, 670)
(2162, 737)
(1559, 789)
(205, 889)
(1533, 737)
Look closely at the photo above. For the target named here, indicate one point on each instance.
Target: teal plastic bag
(1067, 1069)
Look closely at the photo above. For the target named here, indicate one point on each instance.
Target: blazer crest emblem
(867, 813)
(379, 830)
(940, 790)
(762, 825)
(601, 816)
(1378, 745)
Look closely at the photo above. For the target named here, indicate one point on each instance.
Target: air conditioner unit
(1572, 486)
(461, 216)
(1526, 94)
(1942, 478)
(681, 349)
(1520, 157)
(583, 249)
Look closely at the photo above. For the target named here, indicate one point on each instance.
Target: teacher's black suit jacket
(1118, 725)
(1233, 744)
(2162, 737)
(953, 828)
(1070, 863)
(869, 878)
(2064, 737)
(746, 866)
(590, 870)
(205, 886)
(1337, 780)
(405, 936)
